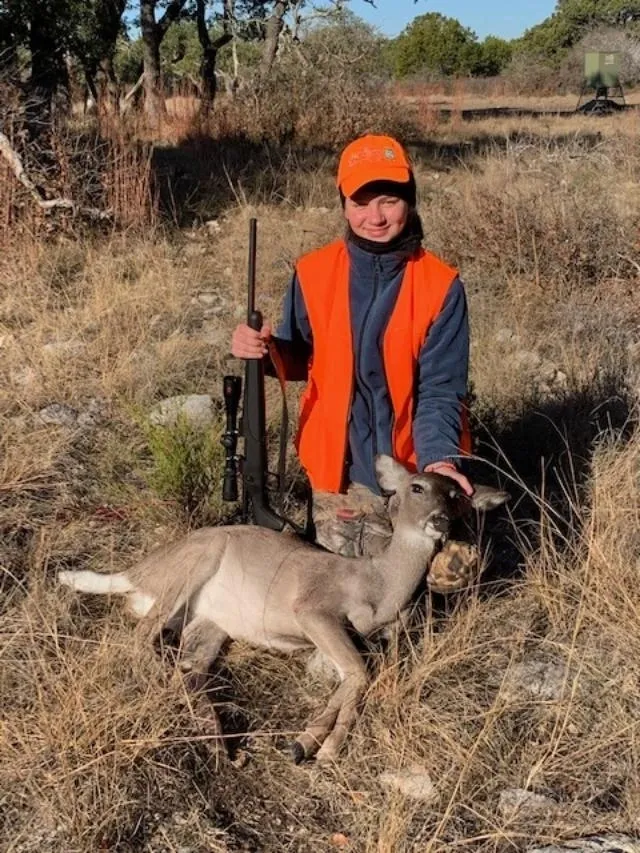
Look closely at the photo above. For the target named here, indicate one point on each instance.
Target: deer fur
(277, 591)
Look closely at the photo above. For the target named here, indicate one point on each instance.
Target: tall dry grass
(100, 746)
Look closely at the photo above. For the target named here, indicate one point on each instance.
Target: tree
(273, 28)
(94, 43)
(435, 43)
(210, 48)
(153, 32)
(53, 33)
(570, 22)
(494, 56)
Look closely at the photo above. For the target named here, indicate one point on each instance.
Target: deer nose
(440, 522)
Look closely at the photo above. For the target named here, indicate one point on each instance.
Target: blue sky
(505, 18)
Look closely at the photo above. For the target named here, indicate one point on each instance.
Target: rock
(94, 414)
(547, 372)
(592, 844)
(506, 336)
(526, 803)
(56, 349)
(414, 782)
(23, 376)
(196, 409)
(213, 226)
(208, 298)
(539, 679)
(527, 360)
(561, 380)
(59, 414)
(213, 333)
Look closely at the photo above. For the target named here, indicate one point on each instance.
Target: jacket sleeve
(443, 370)
(293, 337)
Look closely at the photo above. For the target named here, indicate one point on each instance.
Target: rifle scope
(231, 389)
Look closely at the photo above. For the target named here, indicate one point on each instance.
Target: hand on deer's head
(429, 502)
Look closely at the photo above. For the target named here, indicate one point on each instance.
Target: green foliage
(128, 60)
(181, 55)
(571, 21)
(351, 43)
(437, 44)
(188, 463)
(494, 56)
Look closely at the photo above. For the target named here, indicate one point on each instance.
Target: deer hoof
(297, 753)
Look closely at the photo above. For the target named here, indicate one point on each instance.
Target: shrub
(187, 467)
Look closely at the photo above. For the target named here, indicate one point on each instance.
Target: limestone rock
(59, 414)
(414, 782)
(536, 678)
(525, 803)
(196, 409)
(320, 668)
(593, 844)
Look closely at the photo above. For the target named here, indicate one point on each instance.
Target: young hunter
(378, 328)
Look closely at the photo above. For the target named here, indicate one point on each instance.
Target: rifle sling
(278, 366)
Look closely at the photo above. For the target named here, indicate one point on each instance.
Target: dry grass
(99, 745)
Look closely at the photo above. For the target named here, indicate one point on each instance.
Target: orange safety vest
(322, 435)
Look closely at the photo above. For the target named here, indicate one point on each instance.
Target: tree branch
(171, 14)
(15, 164)
(135, 88)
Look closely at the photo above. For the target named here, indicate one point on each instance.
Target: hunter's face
(376, 217)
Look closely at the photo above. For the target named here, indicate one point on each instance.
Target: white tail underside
(86, 581)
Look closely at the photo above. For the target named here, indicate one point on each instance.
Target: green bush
(188, 464)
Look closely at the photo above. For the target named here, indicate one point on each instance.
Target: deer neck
(401, 568)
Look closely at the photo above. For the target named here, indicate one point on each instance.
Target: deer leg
(200, 645)
(329, 635)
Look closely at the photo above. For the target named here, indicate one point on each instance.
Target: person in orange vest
(378, 328)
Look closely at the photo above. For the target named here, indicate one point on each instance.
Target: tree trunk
(48, 71)
(152, 34)
(109, 20)
(153, 99)
(273, 29)
(210, 55)
(108, 84)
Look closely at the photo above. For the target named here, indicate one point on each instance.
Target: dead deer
(277, 591)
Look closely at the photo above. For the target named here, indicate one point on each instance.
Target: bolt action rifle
(253, 464)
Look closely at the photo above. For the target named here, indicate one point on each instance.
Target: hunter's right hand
(249, 343)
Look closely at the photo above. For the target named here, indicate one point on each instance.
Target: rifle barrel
(251, 288)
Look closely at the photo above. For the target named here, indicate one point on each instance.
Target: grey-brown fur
(274, 590)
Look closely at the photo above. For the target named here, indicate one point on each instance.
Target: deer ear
(390, 474)
(485, 498)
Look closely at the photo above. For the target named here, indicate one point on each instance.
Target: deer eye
(417, 489)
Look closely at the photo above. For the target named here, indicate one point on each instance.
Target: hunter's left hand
(448, 469)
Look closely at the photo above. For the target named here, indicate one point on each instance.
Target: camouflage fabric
(356, 524)
(359, 524)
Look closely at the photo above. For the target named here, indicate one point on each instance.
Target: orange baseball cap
(372, 158)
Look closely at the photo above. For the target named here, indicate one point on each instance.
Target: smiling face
(376, 216)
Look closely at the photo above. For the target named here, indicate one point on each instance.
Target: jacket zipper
(369, 396)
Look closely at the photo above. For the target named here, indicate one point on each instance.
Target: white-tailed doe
(275, 590)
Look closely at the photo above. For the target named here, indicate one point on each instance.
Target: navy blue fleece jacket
(441, 375)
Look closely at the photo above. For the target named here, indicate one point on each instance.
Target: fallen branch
(130, 94)
(15, 164)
